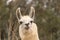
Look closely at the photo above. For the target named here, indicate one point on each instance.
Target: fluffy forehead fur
(26, 18)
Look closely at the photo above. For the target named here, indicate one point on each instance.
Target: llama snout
(27, 26)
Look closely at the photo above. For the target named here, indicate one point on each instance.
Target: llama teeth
(26, 28)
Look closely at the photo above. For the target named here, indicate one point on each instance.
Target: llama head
(27, 20)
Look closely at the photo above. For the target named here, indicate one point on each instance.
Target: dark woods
(47, 18)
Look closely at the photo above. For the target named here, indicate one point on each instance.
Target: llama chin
(27, 28)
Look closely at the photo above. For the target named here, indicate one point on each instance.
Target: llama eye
(21, 22)
(31, 21)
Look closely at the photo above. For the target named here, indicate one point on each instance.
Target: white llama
(27, 27)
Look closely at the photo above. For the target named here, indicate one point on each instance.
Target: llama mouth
(27, 28)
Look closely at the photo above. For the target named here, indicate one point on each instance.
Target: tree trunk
(10, 27)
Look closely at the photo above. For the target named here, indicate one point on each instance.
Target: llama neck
(31, 37)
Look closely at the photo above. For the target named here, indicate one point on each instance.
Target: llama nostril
(27, 24)
(27, 27)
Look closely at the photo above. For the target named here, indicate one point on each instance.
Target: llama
(27, 27)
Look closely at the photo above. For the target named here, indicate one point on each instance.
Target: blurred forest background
(47, 18)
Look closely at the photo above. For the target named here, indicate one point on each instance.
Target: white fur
(31, 33)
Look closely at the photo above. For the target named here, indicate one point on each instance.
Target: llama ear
(18, 13)
(32, 12)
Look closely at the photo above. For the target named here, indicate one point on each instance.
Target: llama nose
(27, 24)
